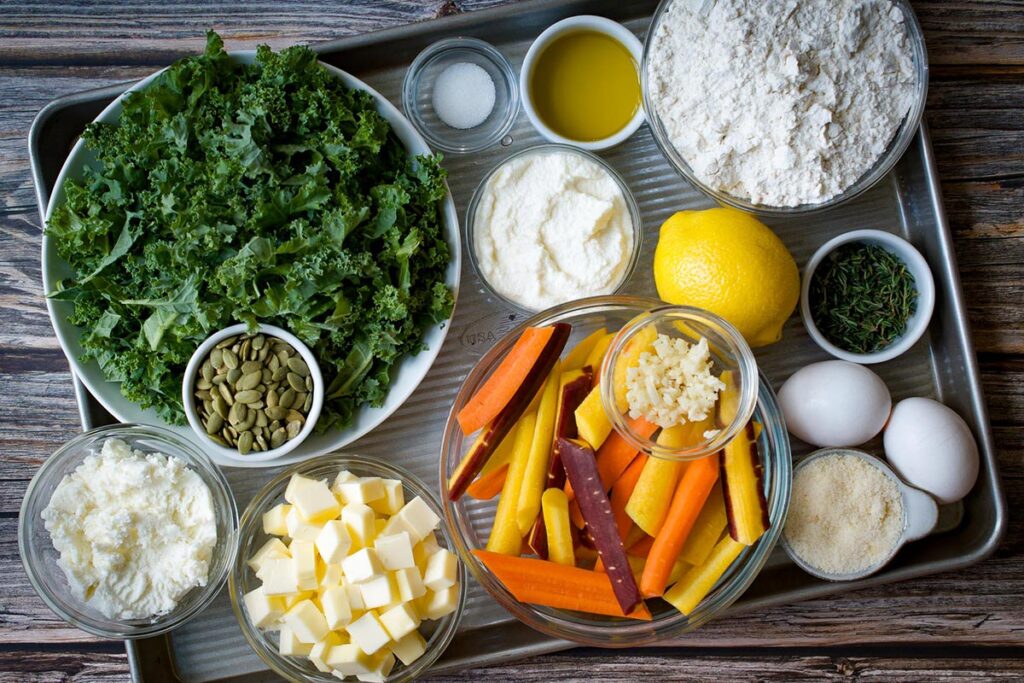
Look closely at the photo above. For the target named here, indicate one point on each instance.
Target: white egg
(932, 448)
(835, 403)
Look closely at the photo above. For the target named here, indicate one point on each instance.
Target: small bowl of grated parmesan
(685, 370)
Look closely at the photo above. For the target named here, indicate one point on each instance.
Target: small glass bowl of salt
(461, 95)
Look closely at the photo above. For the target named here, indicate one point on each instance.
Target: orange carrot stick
(616, 454)
(542, 582)
(501, 386)
(622, 489)
(488, 485)
(691, 493)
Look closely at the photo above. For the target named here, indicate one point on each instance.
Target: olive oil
(585, 86)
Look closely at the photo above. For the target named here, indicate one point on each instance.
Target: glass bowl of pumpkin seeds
(252, 394)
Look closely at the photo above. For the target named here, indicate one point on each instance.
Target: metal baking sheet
(907, 202)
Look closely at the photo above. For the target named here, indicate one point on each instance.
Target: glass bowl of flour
(128, 531)
(784, 108)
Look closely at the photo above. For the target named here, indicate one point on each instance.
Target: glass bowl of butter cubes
(344, 571)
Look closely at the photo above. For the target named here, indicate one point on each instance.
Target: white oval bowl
(584, 22)
(405, 376)
(923, 282)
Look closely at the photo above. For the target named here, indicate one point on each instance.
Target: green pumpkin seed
(262, 441)
(225, 393)
(219, 439)
(307, 404)
(230, 359)
(217, 359)
(214, 424)
(282, 355)
(296, 382)
(220, 379)
(203, 383)
(220, 406)
(233, 375)
(309, 384)
(278, 437)
(250, 366)
(207, 370)
(224, 343)
(261, 418)
(295, 416)
(273, 364)
(208, 406)
(250, 420)
(276, 413)
(247, 396)
(298, 366)
(238, 413)
(280, 373)
(287, 398)
(272, 399)
(249, 381)
(274, 426)
(266, 375)
(204, 394)
(258, 341)
(293, 429)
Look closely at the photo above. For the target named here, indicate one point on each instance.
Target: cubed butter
(409, 584)
(395, 551)
(337, 612)
(348, 660)
(306, 622)
(333, 542)
(378, 526)
(355, 597)
(290, 646)
(418, 516)
(279, 576)
(396, 525)
(295, 598)
(300, 528)
(409, 648)
(362, 490)
(316, 503)
(377, 592)
(368, 633)
(359, 520)
(437, 604)
(361, 566)
(294, 484)
(343, 478)
(442, 570)
(383, 662)
(400, 621)
(273, 549)
(392, 500)
(319, 652)
(332, 576)
(264, 610)
(304, 556)
(274, 520)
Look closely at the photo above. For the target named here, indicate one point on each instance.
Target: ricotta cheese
(135, 531)
(552, 227)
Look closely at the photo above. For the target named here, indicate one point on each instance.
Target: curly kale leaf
(252, 193)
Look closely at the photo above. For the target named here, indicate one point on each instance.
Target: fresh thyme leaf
(861, 297)
(269, 193)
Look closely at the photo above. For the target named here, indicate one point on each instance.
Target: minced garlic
(674, 384)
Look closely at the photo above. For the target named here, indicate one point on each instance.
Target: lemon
(729, 263)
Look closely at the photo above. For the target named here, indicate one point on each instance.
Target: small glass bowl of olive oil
(580, 83)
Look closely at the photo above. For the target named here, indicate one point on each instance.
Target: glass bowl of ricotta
(470, 520)
(147, 526)
(552, 224)
(782, 132)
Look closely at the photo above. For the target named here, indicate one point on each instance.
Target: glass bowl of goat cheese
(127, 531)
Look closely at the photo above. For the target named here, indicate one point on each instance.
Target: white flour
(781, 102)
(135, 531)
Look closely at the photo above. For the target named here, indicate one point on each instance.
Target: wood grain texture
(958, 626)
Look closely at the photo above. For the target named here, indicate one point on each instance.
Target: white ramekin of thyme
(867, 296)
(253, 395)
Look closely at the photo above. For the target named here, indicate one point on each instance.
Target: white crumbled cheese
(674, 384)
(552, 227)
(778, 101)
(135, 531)
(846, 515)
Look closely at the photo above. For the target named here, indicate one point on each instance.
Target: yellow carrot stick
(577, 358)
(536, 474)
(555, 508)
(505, 537)
(707, 529)
(697, 582)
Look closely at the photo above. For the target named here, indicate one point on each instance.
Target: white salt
(463, 95)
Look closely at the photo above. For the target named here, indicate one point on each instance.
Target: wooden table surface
(961, 625)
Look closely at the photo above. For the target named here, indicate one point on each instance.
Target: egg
(835, 403)
(932, 448)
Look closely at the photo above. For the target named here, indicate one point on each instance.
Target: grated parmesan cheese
(674, 384)
(846, 516)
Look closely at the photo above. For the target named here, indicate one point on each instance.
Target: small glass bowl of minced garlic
(252, 395)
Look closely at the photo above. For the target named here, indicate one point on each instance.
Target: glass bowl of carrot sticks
(577, 530)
